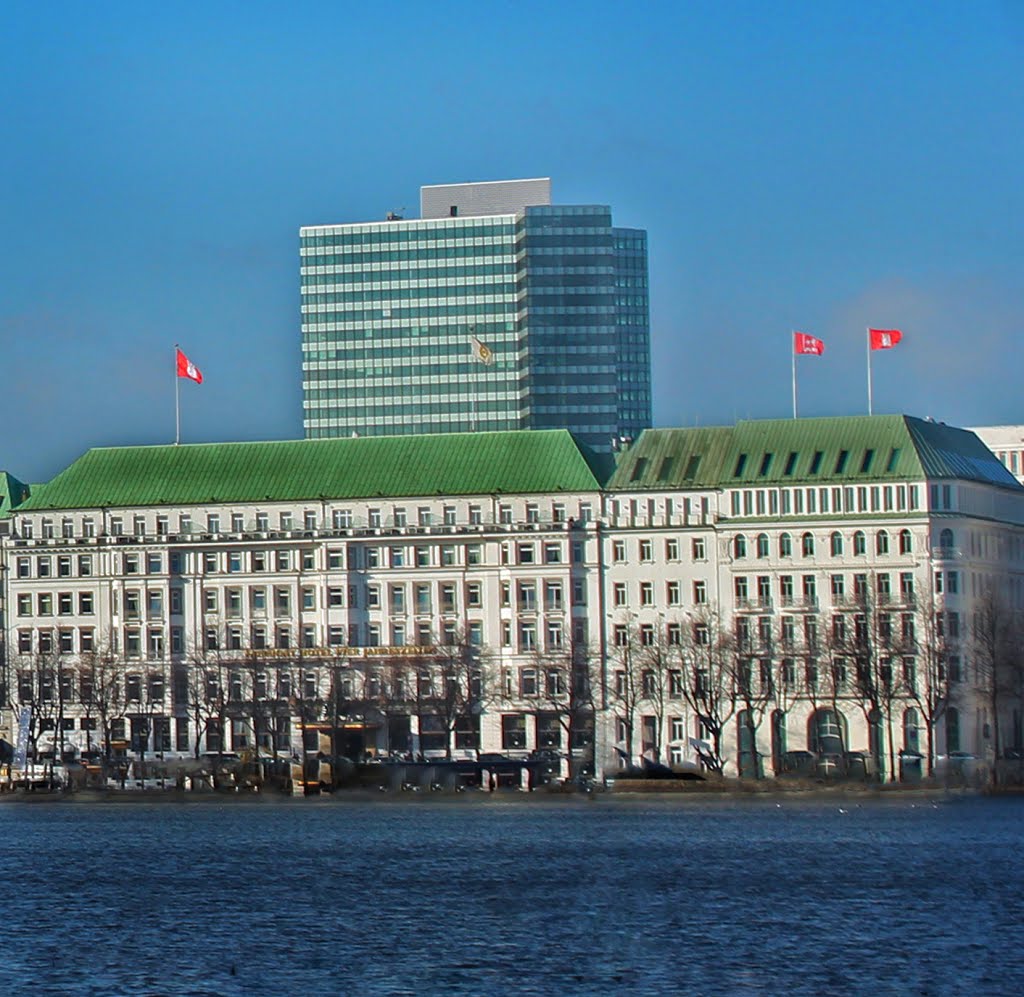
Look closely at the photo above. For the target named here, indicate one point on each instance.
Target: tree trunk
(930, 739)
(995, 730)
(892, 746)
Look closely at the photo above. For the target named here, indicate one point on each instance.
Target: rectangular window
(527, 637)
(423, 601)
(282, 601)
(513, 731)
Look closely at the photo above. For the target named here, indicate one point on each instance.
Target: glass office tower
(556, 294)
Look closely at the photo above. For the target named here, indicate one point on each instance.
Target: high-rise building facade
(556, 294)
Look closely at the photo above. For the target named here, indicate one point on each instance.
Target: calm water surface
(513, 896)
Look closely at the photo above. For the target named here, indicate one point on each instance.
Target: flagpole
(473, 386)
(868, 344)
(793, 353)
(177, 399)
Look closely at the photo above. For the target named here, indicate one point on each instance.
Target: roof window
(790, 464)
(741, 463)
(638, 469)
(869, 459)
(816, 461)
(844, 456)
(894, 459)
(666, 468)
(766, 463)
(691, 467)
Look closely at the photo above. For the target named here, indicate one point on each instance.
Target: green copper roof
(847, 449)
(844, 449)
(12, 492)
(520, 462)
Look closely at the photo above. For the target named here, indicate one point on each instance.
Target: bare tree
(705, 654)
(388, 686)
(788, 684)
(995, 647)
(659, 683)
(567, 684)
(862, 636)
(309, 703)
(40, 690)
(463, 689)
(207, 697)
(102, 692)
(929, 677)
(423, 699)
(626, 686)
(824, 682)
(753, 680)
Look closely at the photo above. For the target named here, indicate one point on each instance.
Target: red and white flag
(805, 345)
(188, 369)
(884, 339)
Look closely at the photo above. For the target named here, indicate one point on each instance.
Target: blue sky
(813, 166)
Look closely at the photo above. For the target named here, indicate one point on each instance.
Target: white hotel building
(1007, 443)
(769, 597)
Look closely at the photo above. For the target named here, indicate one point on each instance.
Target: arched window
(952, 729)
(906, 542)
(882, 542)
(826, 732)
(807, 544)
(739, 546)
(749, 760)
(837, 544)
(762, 545)
(860, 543)
(946, 539)
(785, 545)
(911, 732)
(778, 741)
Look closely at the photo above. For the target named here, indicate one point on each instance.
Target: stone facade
(726, 621)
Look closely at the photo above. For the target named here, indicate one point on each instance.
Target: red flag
(188, 369)
(884, 339)
(804, 344)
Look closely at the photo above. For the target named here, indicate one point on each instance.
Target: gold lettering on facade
(310, 653)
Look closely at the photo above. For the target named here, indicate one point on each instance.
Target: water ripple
(524, 896)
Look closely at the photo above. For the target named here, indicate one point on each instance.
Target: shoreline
(623, 790)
